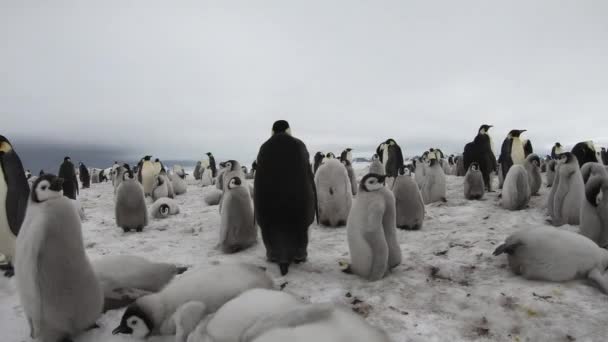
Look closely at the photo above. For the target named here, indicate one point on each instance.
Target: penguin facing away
(408, 201)
(516, 189)
(334, 193)
(532, 166)
(569, 192)
(556, 150)
(480, 150)
(351, 176)
(238, 230)
(551, 164)
(474, 186)
(130, 207)
(160, 189)
(85, 177)
(594, 210)
(59, 292)
(70, 183)
(318, 159)
(585, 152)
(14, 193)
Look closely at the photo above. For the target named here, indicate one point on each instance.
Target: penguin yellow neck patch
(5, 147)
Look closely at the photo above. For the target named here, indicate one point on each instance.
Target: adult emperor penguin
(567, 193)
(532, 166)
(480, 150)
(68, 174)
(371, 230)
(347, 154)
(85, 177)
(130, 207)
(516, 189)
(318, 159)
(334, 193)
(158, 166)
(408, 201)
(213, 286)
(60, 294)
(285, 196)
(146, 175)
(376, 166)
(395, 158)
(513, 151)
(212, 164)
(237, 229)
(604, 155)
(556, 150)
(351, 176)
(14, 192)
(546, 253)
(164, 207)
(474, 188)
(594, 211)
(585, 152)
(434, 187)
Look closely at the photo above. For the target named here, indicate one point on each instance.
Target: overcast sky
(180, 78)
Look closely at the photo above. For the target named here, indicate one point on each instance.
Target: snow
(448, 288)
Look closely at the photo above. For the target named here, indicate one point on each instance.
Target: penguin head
(558, 145)
(594, 189)
(534, 159)
(231, 165)
(330, 155)
(5, 145)
(147, 158)
(404, 171)
(67, 159)
(159, 180)
(281, 126)
(484, 129)
(135, 321)
(474, 166)
(390, 142)
(515, 133)
(209, 154)
(372, 182)
(375, 157)
(348, 149)
(164, 210)
(127, 175)
(235, 182)
(566, 158)
(47, 187)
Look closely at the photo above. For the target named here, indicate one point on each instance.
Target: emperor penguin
(347, 154)
(474, 186)
(556, 150)
(394, 158)
(158, 166)
(434, 187)
(160, 189)
(594, 210)
(351, 176)
(532, 166)
(213, 286)
(179, 185)
(319, 322)
(514, 151)
(212, 196)
(237, 229)
(419, 171)
(85, 177)
(371, 230)
(546, 253)
(376, 166)
(146, 175)
(212, 164)
(318, 159)
(68, 173)
(585, 152)
(408, 201)
(568, 192)
(334, 193)
(481, 151)
(163, 208)
(60, 294)
(167, 180)
(285, 198)
(551, 164)
(95, 176)
(130, 207)
(118, 175)
(592, 169)
(206, 178)
(14, 192)
(516, 189)
(604, 156)
(198, 171)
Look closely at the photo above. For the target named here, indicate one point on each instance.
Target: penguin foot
(66, 339)
(139, 229)
(9, 273)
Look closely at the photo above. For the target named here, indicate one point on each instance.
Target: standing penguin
(285, 196)
(371, 230)
(68, 174)
(567, 194)
(207, 177)
(513, 151)
(532, 166)
(395, 158)
(434, 187)
(59, 292)
(474, 188)
(480, 151)
(594, 211)
(551, 164)
(146, 175)
(351, 176)
(408, 201)
(556, 150)
(85, 177)
(130, 208)
(584, 152)
(158, 166)
(212, 164)
(604, 155)
(198, 171)
(420, 168)
(376, 166)
(14, 192)
(319, 156)
(347, 154)
(516, 189)
(238, 230)
(334, 193)
(460, 170)
(167, 180)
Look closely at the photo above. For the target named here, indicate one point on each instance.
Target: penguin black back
(584, 152)
(70, 183)
(18, 189)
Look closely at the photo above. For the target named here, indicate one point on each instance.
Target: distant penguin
(532, 166)
(334, 193)
(207, 178)
(28, 173)
(85, 177)
(14, 192)
(376, 166)
(594, 210)
(158, 166)
(179, 184)
(285, 198)
(546, 253)
(567, 194)
(237, 228)
(516, 189)
(551, 172)
(395, 158)
(160, 189)
(164, 207)
(130, 207)
(213, 286)
(592, 169)
(60, 294)
(347, 154)
(95, 176)
(584, 152)
(556, 150)
(513, 151)
(604, 155)
(474, 186)
(198, 171)
(408, 201)
(351, 176)
(68, 174)
(318, 159)
(434, 187)
(179, 171)
(146, 175)
(480, 151)
(212, 164)
(212, 196)
(371, 230)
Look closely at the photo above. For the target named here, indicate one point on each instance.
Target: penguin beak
(57, 184)
(122, 329)
(522, 130)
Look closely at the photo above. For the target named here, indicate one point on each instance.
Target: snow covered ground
(448, 288)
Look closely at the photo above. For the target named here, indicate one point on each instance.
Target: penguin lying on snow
(547, 253)
(213, 286)
(212, 196)
(163, 207)
(594, 210)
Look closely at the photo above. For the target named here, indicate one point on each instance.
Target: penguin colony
(63, 293)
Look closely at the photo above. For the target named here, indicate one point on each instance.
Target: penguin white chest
(7, 239)
(517, 151)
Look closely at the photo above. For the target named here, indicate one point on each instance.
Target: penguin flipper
(507, 247)
(18, 190)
